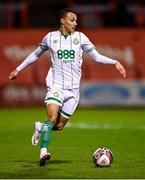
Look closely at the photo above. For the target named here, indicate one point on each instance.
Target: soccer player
(66, 47)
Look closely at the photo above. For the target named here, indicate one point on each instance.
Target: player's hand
(13, 75)
(120, 68)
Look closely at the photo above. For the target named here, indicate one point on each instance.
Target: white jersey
(66, 58)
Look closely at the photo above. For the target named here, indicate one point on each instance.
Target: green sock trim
(51, 124)
(46, 134)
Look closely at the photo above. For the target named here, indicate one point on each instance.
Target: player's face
(69, 22)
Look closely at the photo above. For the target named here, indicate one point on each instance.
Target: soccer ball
(102, 157)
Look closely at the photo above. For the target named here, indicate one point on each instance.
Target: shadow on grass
(59, 161)
(49, 162)
(24, 169)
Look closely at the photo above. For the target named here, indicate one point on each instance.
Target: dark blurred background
(117, 29)
(92, 13)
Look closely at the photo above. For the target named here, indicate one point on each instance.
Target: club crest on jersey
(56, 94)
(76, 41)
(55, 41)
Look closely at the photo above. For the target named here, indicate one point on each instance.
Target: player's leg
(67, 109)
(59, 119)
(61, 122)
(54, 102)
(46, 132)
(59, 125)
(53, 96)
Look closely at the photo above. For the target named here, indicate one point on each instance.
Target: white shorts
(67, 99)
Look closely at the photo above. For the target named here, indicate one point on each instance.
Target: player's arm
(106, 60)
(120, 68)
(34, 56)
(88, 47)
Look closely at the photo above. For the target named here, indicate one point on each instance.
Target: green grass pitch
(123, 131)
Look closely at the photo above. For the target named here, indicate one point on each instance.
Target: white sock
(43, 151)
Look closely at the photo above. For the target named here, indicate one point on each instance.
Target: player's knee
(56, 128)
(52, 117)
(59, 126)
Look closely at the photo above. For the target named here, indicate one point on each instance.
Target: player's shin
(46, 134)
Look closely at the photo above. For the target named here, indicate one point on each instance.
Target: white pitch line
(102, 126)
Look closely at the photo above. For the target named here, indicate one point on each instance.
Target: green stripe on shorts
(52, 98)
(66, 114)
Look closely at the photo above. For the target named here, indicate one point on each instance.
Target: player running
(66, 47)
